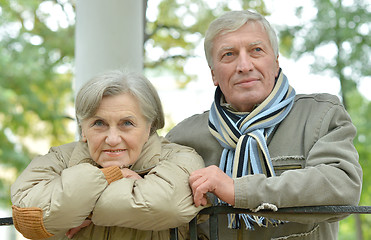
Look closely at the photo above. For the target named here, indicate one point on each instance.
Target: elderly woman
(120, 181)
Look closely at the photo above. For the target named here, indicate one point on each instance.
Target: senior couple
(260, 146)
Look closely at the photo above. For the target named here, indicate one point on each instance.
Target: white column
(109, 35)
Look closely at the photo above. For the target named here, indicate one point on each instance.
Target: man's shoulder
(189, 128)
(193, 121)
(200, 117)
(194, 132)
(310, 107)
(317, 98)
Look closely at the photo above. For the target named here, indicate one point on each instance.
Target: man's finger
(199, 192)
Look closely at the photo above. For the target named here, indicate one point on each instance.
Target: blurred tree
(35, 81)
(171, 37)
(360, 110)
(36, 59)
(339, 39)
(37, 51)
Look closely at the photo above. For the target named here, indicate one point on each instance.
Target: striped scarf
(243, 137)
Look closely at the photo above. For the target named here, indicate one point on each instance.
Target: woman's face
(117, 132)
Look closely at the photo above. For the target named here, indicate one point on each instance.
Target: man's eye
(228, 54)
(258, 49)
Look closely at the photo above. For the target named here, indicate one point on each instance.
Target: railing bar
(6, 221)
(315, 209)
(214, 211)
(329, 209)
(213, 226)
(174, 234)
(193, 229)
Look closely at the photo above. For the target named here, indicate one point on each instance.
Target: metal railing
(6, 221)
(213, 213)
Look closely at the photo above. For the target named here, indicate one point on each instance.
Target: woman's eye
(98, 123)
(128, 123)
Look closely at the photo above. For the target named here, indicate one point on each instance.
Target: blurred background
(324, 47)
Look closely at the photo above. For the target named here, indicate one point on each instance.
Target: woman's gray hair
(116, 82)
(232, 21)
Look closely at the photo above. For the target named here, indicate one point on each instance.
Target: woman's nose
(113, 137)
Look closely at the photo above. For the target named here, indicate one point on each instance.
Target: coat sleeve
(332, 175)
(161, 200)
(49, 198)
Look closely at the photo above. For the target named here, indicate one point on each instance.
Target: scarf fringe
(234, 219)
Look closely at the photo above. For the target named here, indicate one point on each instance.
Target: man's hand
(75, 230)
(211, 179)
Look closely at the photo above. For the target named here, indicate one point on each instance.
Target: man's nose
(113, 137)
(244, 63)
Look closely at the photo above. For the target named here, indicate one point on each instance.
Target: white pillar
(109, 35)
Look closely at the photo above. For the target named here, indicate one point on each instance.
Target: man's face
(244, 66)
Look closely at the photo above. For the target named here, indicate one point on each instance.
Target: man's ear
(213, 77)
(278, 66)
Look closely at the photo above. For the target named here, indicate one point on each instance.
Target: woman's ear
(149, 128)
(83, 137)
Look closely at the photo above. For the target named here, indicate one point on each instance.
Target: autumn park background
(37, 53)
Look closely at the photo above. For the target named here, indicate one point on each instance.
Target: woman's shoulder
(64, 151)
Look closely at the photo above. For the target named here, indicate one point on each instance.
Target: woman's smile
(114, 152)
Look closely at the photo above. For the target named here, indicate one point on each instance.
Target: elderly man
(263, 145)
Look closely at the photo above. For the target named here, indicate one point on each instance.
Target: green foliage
(346, 29)
(35, 87)
(37, 56)
(360, 110)
(178, 28)
(347, 229)
(343, 27)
